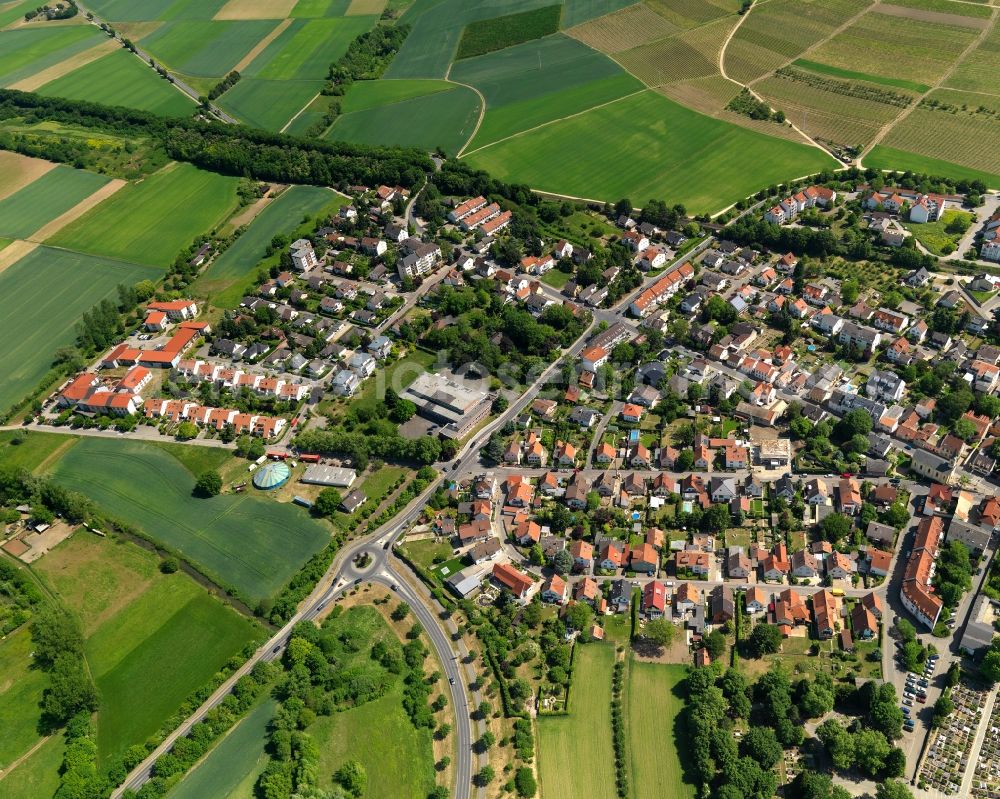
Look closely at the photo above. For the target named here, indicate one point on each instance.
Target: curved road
(343, 573)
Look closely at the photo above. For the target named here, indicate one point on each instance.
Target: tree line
(230, 149)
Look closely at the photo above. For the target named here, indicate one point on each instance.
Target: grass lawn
(441, 119)
(151, 638)
(120, 78)
(152, 220)
(227, 276)
(648, 146)
(882, 157)
(235, 761)
(425, 552)
(556, 278)
(38, 776)
(397, 376)
(35, 450)
(21, 689)
(537, 82)
(41, 299)
(27, 51)
(655, 730)
(575, 751)
(376, 486)
(246, 541)
(487, 35)
(42, 200)
(935, 236)
(980, 296)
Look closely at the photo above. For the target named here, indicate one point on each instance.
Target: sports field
(242, 540)
(120, 78)
(538, 82)
(648, 146)
(575, 751)
(152, 220)
(21, 690)
(151, 638)
(441, 119)
(307, 47)
(25, 51)
(653, 710)
(232, 767)
(239, 262)
(268, 104)
(205, 49)
(42, 200)
(42, 297)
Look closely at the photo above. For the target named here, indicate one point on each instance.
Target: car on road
(358, 581)
(386, 544)
(451, 680)
(395, 587)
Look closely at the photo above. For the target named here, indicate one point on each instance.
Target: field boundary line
(14, 252)
(300, 111)
(645, 88)
(482, 104)
(905, 113)
(30, 170)
(722, 71)
(261, 46)
(65, 67)
(54, 226)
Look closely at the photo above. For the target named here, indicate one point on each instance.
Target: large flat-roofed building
(320, 475)
(456, 407)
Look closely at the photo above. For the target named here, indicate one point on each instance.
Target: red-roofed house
(511, 578)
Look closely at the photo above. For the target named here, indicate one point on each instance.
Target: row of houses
(792, 206)
(87, 393)
(199, 371)
(266, 427)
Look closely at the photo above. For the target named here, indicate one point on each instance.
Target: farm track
(884, 130)
(482, 109)
(749, 86)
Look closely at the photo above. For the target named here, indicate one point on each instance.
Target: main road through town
(343, 574)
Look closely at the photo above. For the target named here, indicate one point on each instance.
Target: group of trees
(230, 149)
(379, 443)
(58, 642)
(866, 744)
(953, 573)
(21, 593)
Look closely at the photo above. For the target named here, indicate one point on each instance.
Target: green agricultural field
(575, 753)
(269, 104)
(205, 49)
(34, 449)
(151, 638)
(576, 12)
(487, 35)
(312, 9)
(442, 119)
(150, 10)
(152, 220)
(538, 82)
(239, 262)
(235, 762)
(120, 78)
(20, 694)
(26, 51)
(38, 776)
(437, 27)
(849, 74)
(366, 94)
(654, 730)
(42, 200)
(306, 48)
(246, 541)
(648, 146)
(42, 297)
